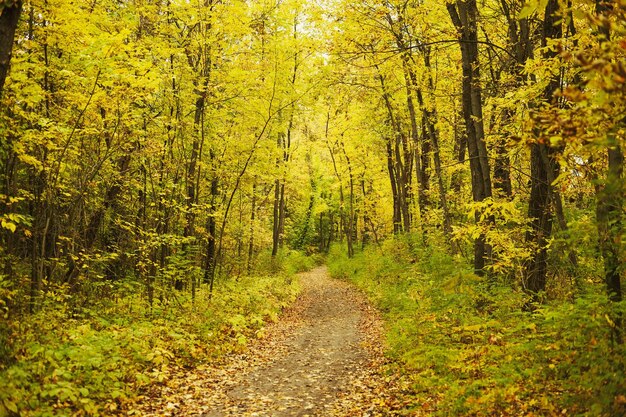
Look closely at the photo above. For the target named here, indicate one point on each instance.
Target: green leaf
(527, 10)
(9, 225)
(531, 7)
(555, 140)
(473, 328)
(600, 98)
(10, 405)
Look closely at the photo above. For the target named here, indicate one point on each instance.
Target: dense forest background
(166, 165)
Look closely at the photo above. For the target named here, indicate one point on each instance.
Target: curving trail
(321, 359)
(317, 363)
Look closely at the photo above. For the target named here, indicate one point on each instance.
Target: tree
(10, 11)
(544, 165)
(464, 15)
(610, 193)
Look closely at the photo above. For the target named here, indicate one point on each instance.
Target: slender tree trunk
(520, 47)
(190, 178)
(502, 163)
(276, 218)
(460, 145)
(331, 230)
(397, 215)
(425, 147)
(302, 240)
(252, 224)
(544, 168)
(365, 233)
(610, 198)
(417, 141)
(403, 167)
(38, 239)
(211, 249)
(400, 166)
(282, 216)
(90, 233)
(464, 15)
(9, 18)
(344, 218)
(610, 204)
(430, 116)
(350, 226)
(540, 213)
(421, 143)
(447, 221)
(279, 213)
(321, 244)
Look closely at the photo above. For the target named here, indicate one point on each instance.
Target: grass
(466, 347)
(60, 363)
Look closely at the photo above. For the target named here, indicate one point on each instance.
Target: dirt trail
(321, 359)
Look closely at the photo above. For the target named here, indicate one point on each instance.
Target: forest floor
(323, 357)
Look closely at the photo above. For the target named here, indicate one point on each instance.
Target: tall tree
(10, 11)
(464, 15)
(544, 166)
(610, 194)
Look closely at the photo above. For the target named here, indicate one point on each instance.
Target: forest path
(322, 358)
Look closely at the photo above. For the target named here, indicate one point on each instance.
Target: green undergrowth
(287, 261)
(468, 348)
(57, 364)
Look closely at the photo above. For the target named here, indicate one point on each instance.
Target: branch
(74, 128)
(424, 44)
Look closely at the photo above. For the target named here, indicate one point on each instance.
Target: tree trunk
(41, 223)
(447, 221)
(422, 183)
(350, 229)
(279, 213)
(90, 234)
(302, 240)
(365, 232)
(464, 16)
(397, 215)
(9, 18)
(321, 243)
(211, 255)
(520, 47)
(544, 168)
(276, 218)
(430, 117)
(252, 221)
(610, 203)
(400, 165)
(460, 146)
(331, 231)
(502, 163)
(190, 178)
(540, 213)
(610, 199)
(344, 218)
(421, 143)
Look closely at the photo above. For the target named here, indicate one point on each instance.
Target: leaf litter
(323, 357)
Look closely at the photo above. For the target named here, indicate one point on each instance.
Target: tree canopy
(154, 149)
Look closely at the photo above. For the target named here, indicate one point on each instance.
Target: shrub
(98, 364)
(466, 346)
